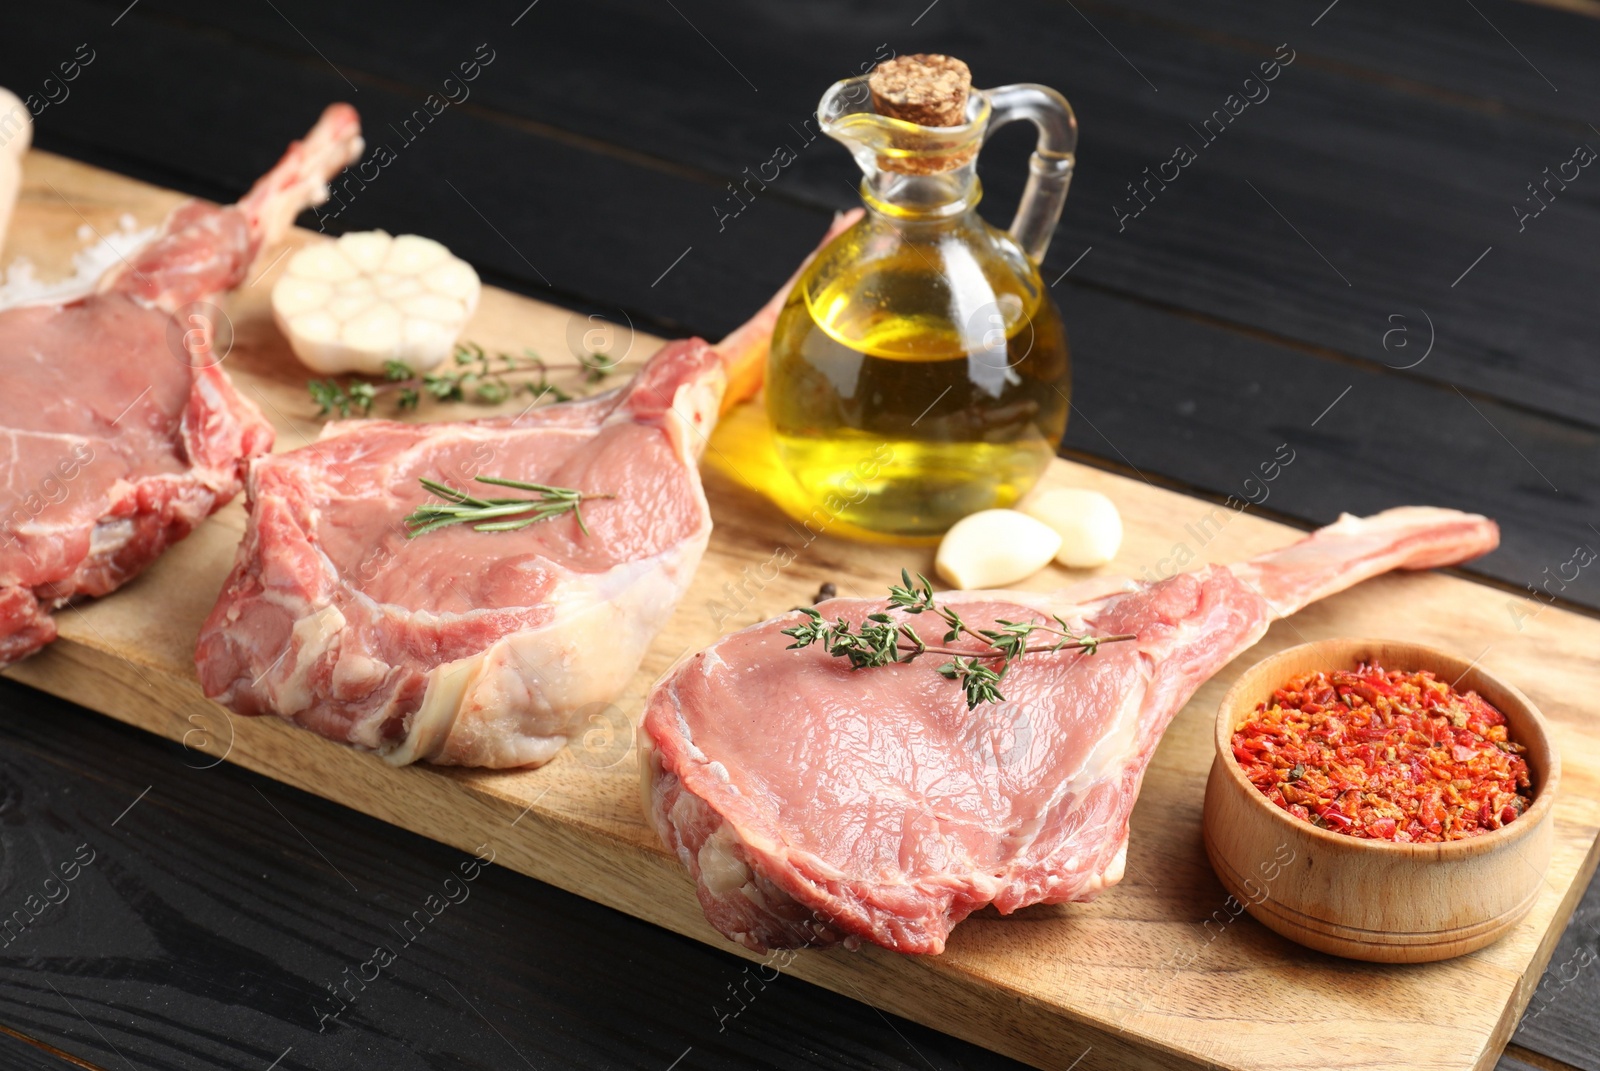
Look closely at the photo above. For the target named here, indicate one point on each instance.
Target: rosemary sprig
(495, 514)
(475, 375)
(880, 640)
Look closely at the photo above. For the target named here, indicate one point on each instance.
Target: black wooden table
(1385, 255)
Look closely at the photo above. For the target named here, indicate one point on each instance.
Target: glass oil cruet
(919, 371)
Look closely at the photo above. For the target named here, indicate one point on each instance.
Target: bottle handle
(1050, 166)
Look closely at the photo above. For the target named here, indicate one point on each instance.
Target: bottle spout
(914, 170)
(884, 143)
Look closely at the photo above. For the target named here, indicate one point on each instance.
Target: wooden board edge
(1576, 7)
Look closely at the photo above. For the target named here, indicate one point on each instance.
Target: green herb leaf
(597, 366)
(913, 598)
(474, 375)
(978, 681)
(812, 630)
(327, 394)
(495, 514)
(332, 397)
(882, 640)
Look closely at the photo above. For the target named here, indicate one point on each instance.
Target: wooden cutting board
(1158, 973)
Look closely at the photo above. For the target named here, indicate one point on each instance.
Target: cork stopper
(926, 89)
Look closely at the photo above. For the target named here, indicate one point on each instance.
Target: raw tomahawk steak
(118, 430)
(816, 805)
(463, 647)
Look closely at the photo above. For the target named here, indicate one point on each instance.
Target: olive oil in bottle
(918, 376)
(919, 371)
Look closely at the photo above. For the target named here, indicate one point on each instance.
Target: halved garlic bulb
(993, 548)
(353, 304)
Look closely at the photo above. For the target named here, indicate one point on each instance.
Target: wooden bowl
(1368, 899)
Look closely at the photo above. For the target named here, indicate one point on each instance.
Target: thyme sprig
(475, 375)
(496, 514)
(881, 640)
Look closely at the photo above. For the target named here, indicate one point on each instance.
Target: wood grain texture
(1438, 48)
(22, 1053)
(1134, 980)
(1581, 7)
(1511, 1062)
(1381, 164)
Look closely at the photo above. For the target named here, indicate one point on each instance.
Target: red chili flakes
(1385, 755)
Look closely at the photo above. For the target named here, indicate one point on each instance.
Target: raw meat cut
(815, 805)
(119, 431)
(463, 647)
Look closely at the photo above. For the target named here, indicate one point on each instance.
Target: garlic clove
(425, 336)
(377, 329)
(426, 306)
(1087, 521)
(325, 262)
(348, 306)
(412, 254)
(367, 298)
(295, 296)
(993, 548)
(454, 278)
(317, 326)
(367, 250)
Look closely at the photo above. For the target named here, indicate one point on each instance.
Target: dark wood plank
(490, 188)
(19, 1053)
(1507, 55)
(1344, 198)
(219, 907)
(1510, 1062)
(1201, 404)
(1560, 1021)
